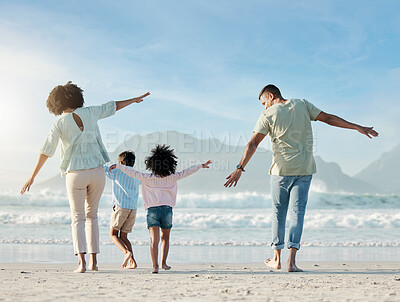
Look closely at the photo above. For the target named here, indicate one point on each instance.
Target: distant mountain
(225, 157)
(191, 150)
(330, 178)
(56, 183)
(384, 172)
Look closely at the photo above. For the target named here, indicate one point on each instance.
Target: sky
(204, 63)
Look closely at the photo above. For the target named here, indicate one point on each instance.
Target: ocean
(221, 227)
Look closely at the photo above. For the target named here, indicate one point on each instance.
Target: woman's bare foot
(93, 263)
(81, 269)
(166, 267)
(81, 263)
(155, 270)
(292, 268)
(128, 255)
(272, 263)
(132, 264)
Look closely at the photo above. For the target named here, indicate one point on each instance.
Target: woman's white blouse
(79, 149)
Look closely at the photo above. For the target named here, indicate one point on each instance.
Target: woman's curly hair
(63, 97)
(162, 161)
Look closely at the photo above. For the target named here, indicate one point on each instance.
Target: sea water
(217, 227)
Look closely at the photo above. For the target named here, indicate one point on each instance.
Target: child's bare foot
(128, 255)
(132, 264)
(155, 270)
(81, 269)
(292, 268)
(166, 267)
(272, 263)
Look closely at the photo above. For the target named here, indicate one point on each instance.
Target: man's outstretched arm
(248, 153)
(336, 121)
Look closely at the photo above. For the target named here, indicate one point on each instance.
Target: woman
(83, 156)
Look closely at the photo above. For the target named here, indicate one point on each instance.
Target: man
(288, 123)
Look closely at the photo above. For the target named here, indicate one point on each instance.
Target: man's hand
(251, 147)
(233, 178)
(139, 99)
(206, 164)
(112, 167)
(27, 185)
(368, 131)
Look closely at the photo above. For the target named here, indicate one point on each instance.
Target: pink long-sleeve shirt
(159, 191)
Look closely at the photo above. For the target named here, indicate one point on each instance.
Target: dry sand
(322, 281)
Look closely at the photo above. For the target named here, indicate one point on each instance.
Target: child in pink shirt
(159, 190)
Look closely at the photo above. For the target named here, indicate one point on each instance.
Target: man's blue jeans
(288, 192)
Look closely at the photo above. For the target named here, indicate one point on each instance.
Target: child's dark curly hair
(162, 161)
(127, 158)
(63, 97)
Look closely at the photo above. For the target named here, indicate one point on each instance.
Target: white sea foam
(354, 220)
(315, 219)
(241, 200)
(318, 186)
(44, 218)
(48, 198)
(45, 198)
(349, 243)
(224, 200)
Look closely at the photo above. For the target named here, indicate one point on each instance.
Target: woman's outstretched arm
(41, 160)
(122, 104)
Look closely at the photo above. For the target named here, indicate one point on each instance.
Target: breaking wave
(223, 200)
(349, 243)
(316, 220)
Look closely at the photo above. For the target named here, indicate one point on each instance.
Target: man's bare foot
(166, 267)
(155, 270)
(80, 269)
(272, 263)
(132, 264)
(292, 268)
(128, 255)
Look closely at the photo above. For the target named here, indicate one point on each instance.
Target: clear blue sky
(204, 63)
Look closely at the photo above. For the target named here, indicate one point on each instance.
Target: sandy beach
(321, 281)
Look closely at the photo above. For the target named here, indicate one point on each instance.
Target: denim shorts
(160, 216)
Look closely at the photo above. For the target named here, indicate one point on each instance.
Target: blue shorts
(160, 216)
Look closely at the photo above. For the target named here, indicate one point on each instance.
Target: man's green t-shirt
(289, 126)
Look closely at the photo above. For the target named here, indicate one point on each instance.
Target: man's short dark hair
(271, 89)
(127, 158)
(162, 161)
(63, 97)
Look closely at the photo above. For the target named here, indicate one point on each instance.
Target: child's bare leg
(125, 240)
(121, 245)
(93, 262)
(165, 248)
(154, 241)
(82, 264)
